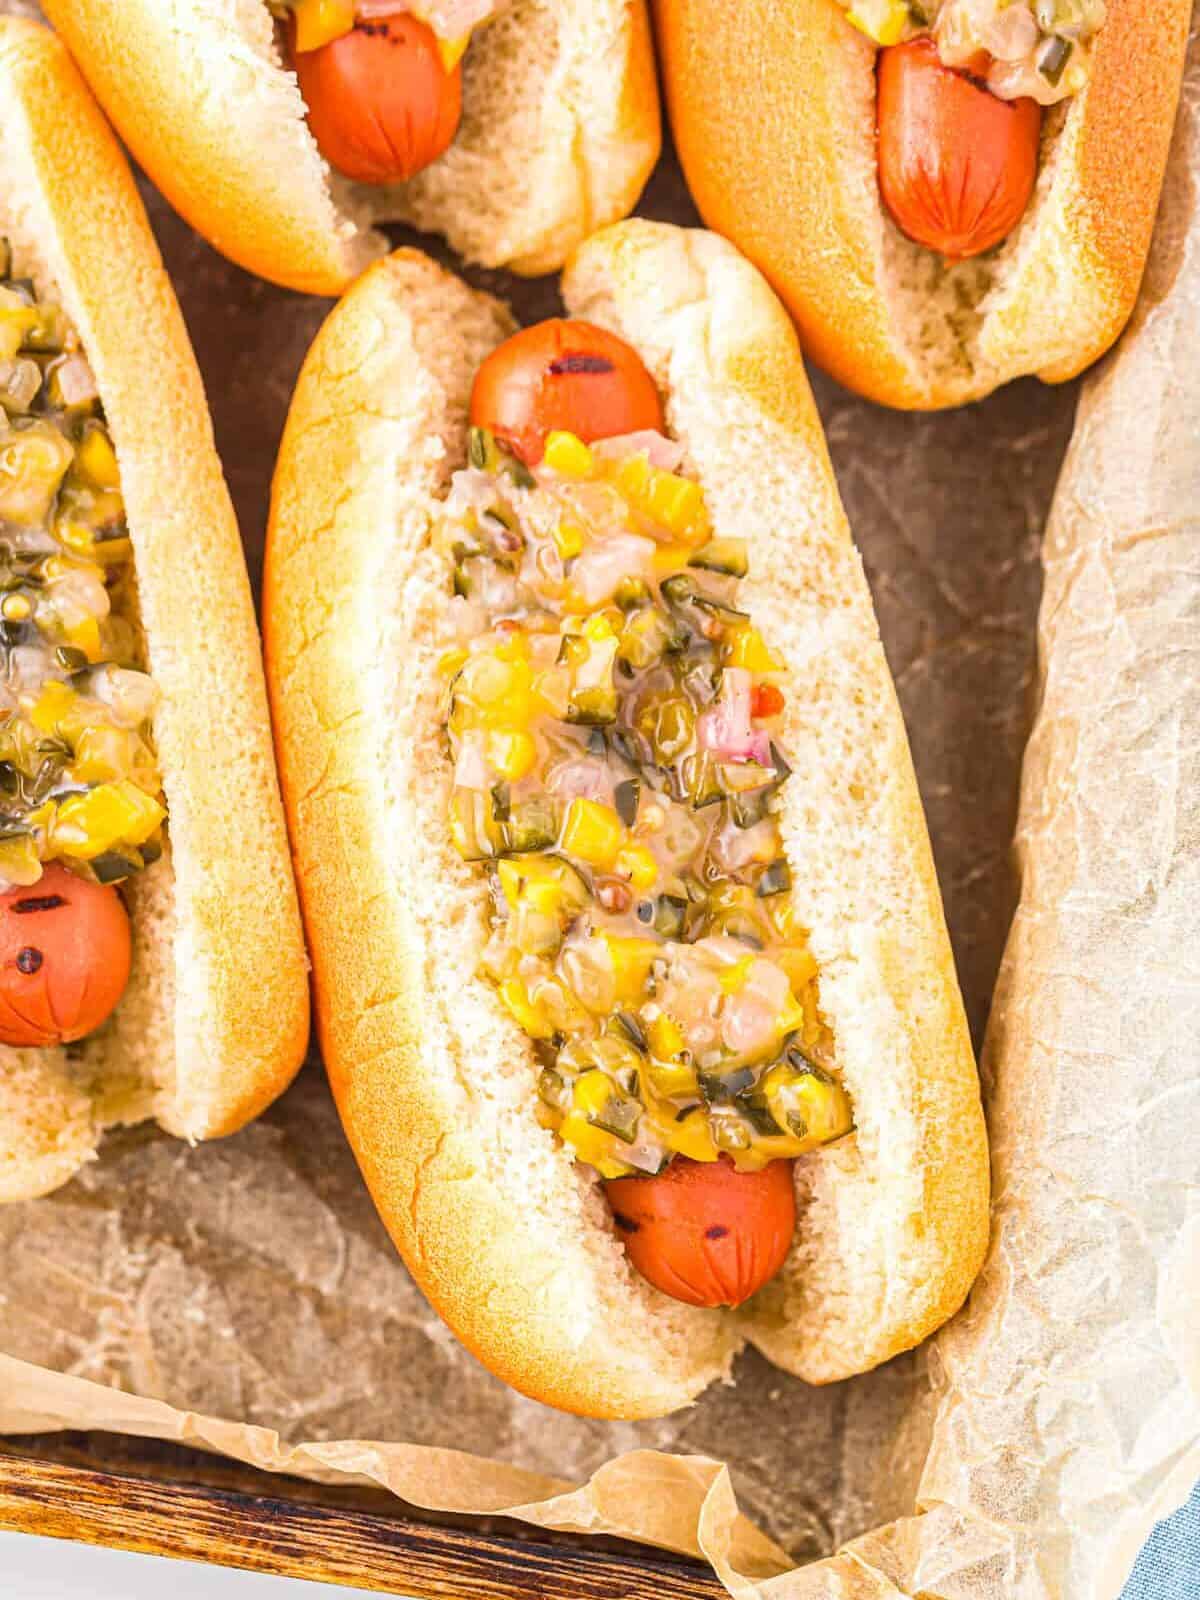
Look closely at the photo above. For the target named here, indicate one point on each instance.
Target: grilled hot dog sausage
(956, 163)
(381, 104)
(563, 374)
(64, 958)
(704, 1232)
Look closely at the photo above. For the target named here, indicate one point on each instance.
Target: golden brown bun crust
(771, 108)
(560, 131)
(239, 1020)
(434, 1083)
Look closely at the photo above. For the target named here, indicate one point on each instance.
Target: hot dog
(946, 194)
(282, 129)
(151, 960)
(601, 844)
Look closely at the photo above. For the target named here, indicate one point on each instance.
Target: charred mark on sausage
(562, 366)
(38, 902)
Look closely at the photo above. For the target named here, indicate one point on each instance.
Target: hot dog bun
(559, 132)
(508, 1238)
(214, 1022)
(773, 113)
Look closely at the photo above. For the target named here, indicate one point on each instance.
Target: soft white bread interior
(559, 132)
(511, 1241)
(215, 1019)
(773, 112)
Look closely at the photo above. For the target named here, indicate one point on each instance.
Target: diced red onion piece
(659, 450)
(1012, 34)
(471, 489)
(748, 1024)
(471, 768)
(726, 730)
(598, 571)
(768, 983)
(131, 696)
(77, 381)
(20, 381)
(734, 847)
(585, 779)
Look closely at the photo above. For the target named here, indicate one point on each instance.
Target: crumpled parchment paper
(242, 1296)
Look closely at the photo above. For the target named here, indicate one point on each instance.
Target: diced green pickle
(648, 636)
(669, 722)
(532, 825)
(727, 556)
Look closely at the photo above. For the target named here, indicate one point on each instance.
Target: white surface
(53, 1569)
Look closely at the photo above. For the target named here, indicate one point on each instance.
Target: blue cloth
(1169, 1565)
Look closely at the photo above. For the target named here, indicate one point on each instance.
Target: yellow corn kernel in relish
(593, 832)
(749, 649)
(592, 1144)
(51, 706)
(568, 455)
(512, 753)
(531, 1017)
(733, 978)
(665, 1036)
(113, 813)
(453, 50)
(319, 22)
(639, 866)
(632, 959)
(568, 540)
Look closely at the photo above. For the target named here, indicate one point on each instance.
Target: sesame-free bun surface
(511, 1240)
(215, 1019)
(560, 129)
(773, 112)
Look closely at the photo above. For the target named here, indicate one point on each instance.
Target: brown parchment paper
(243, 1297)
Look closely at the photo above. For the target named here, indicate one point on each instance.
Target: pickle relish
(1035, 48)
(611, 713)
(79, 779)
